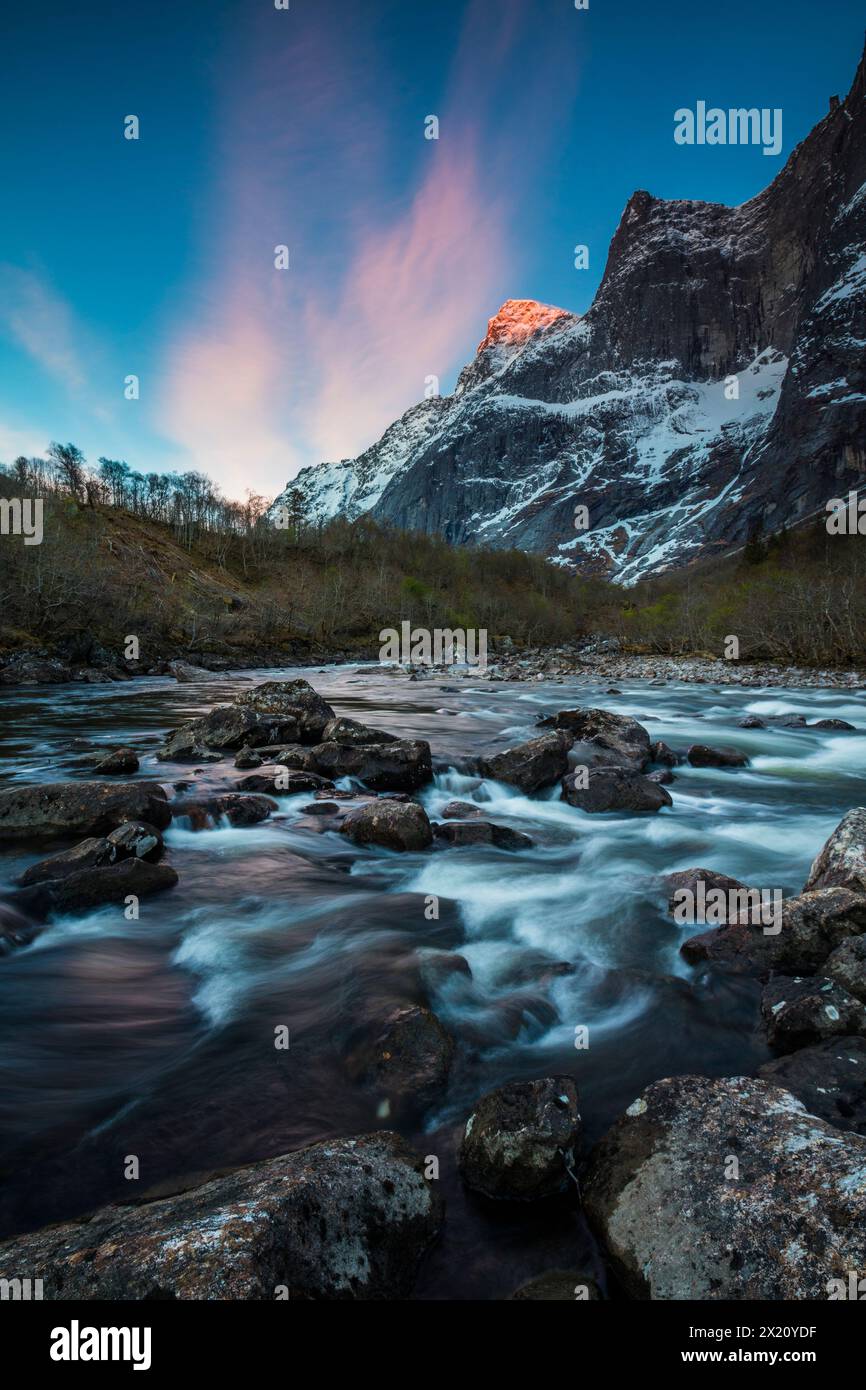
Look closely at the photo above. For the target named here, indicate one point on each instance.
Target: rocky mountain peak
(517, 320)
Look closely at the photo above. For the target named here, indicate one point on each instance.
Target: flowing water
(155, 1038)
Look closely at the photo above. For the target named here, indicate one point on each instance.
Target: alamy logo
(846, 515)
(758, 907)
(738, 126)
(77, 1343)
(20, 1290)
(441, 646)
(854, 1289)
(22, 517)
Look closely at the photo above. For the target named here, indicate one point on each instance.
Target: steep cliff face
(718, 382)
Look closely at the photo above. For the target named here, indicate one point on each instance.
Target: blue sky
(306, 128)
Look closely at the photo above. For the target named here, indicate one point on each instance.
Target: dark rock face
(615, 740)
(295, 700)
(700, 755)
(613, 789)
(530, 766)
(558, 1286)
(278, 780)
(842, 861)
(847, 966)
(829, 1078)
(400, 825)
(680, 1222)
(840, 725)
(519, 1143)
(481, 832)
(136, 839)
(660, 752)
(117, 764)
(798, 1011)
(96, 886)
(812, 925)
(89, 854)
(408, 1061)
(347, 1219)
(625, 407)
(400, 765)
(350, 731)
(79, 808)
(687, 880)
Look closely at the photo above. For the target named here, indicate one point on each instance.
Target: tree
(68, 461)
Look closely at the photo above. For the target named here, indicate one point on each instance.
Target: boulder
(800, 1010)
(842, 861)
(678, 1226)
(350, 731)
(118, 763)
(558, 1286)
(751, 721)
(280, 780)
(520, 1141)
(481, 832)
(664, 777)
(530, 766)
(613, 789)
(347, 1219)
(812, 925)
(238, 810)
(94, 887)
(248, 758)
(296, 700)
(840, 725)
(829, 1078)
(30, 668)
(185, 674)
(93, 853)
(847, 966)
(401, 765)
(687, 880)
(408, 1061)
(460, 810)
(616, 740)
(399, 825)
(136, 840)
(701, 755)
(79, 808)
(661, 753)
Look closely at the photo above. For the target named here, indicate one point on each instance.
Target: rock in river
(842, 861)
(613, 789)
(812, 925)
(399, 765)
(681, 1222)
(530, 766)
(519, 1142)
(347, 1219)
(481, 832)
(799, 1011)
(615, 740)
(408, 1060)
(701, 755)
(829, 1078)
(400, 825)
(94, 887)
(79, 808)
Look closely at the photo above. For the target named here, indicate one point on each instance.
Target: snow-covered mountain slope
(717, 384)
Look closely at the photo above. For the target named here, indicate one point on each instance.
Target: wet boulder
(239, 810)
(520, 1141)
(829, 1078)
(677, 1226)
(95, 887)
(79, 808)
(398, 825)
(247, 758)
(185, 674)
(291, 700)
(842, 861)
(701, 755)
(811, 926)
(118, 763)
(408, 1061)
(836, 725)
(663, 777)
(801, 1010)
(615, 740)
(685, 881)
(280, 780)
(613, 789)
(752, 721)
(481, 832)
(352, 732)
(460, 810)
(530, 766)
(660, 752)
(349, 1219)
(136, 840)
(401, 765)
(93, 853)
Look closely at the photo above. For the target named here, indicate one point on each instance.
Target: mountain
(716, 387)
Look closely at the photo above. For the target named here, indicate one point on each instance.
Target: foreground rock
(613, 789)
(238, 810)
(399, 765)
(481, 832)
(701, 755)
(279, 780)
(95, 887)
(295, 700)
(408, 1061)
(347, 1219)
(400, 825)
(79, 808)
(847, 966)
(842, 861)
(800, 1011)
(829, 1078)
(677, 1226)
(530, 766)
(520, 1141)
(615, 740)
(812, 925)
(273, 713)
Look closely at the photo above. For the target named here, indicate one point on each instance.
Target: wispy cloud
(38, 320)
